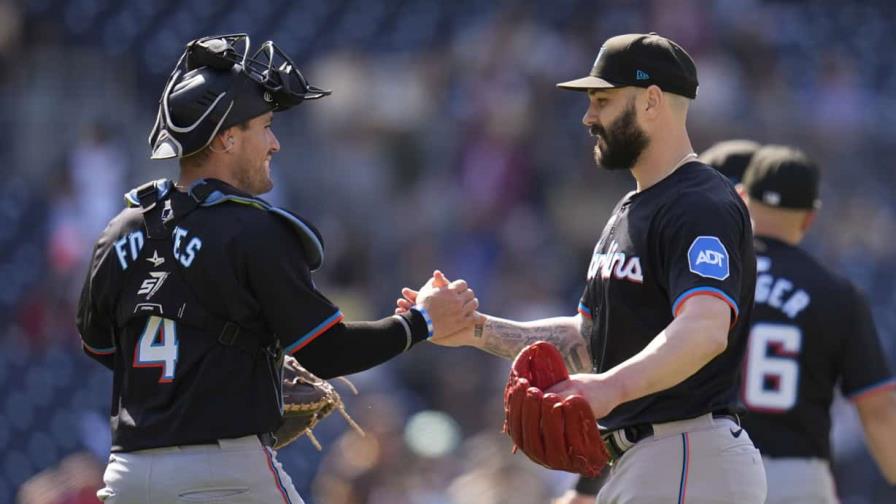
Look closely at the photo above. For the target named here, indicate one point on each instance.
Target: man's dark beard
(624, 141)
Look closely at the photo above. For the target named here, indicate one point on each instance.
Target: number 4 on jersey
(157, 347)
(772, 369)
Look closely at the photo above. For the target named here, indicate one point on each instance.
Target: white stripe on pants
(232, 471)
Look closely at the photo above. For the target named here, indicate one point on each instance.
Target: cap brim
(585, 83)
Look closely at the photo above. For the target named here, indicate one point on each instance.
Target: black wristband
(417, 323)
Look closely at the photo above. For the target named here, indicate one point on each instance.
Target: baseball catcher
(554, 432)
(199, 286)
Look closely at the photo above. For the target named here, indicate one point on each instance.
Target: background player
(662, 323)
(197, 290)
(811, 330)
(730, 157)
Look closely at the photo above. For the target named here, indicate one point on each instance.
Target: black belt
(636, 433)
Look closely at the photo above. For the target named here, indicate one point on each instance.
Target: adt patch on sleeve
(707, 257)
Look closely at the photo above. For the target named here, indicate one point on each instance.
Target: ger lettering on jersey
(687, 235)
(811, 330)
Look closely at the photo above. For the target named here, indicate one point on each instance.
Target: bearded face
(620, 144)
(257, 143)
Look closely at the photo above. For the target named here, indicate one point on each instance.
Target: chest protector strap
(152, 289)
(206, 193)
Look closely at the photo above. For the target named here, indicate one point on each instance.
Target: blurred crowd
(445, 144)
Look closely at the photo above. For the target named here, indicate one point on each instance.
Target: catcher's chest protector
(154, 283)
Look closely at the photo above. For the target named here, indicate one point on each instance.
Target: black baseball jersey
(687, 235)
(810, 330)
(192, 319)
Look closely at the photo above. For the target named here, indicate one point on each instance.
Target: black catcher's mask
(216, 85)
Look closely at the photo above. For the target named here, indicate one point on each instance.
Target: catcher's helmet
(216, 85)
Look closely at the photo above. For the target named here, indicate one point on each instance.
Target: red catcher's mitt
(554, 432)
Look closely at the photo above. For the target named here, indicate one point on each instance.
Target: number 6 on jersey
(158, 347)
(773, 371)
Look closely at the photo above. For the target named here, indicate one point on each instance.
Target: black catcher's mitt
(307, 399)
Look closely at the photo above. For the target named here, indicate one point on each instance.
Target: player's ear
(808, 220)
(653, 99)
(741, 191)
(223, 141)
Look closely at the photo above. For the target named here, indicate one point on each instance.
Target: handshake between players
(547, 414)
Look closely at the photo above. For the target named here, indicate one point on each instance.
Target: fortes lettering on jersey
(708, 258)
(615, 263)
(186, 255)
(128, 247)
(779, 293)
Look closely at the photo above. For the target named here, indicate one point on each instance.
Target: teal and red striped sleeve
(706, 244)
(279, 276)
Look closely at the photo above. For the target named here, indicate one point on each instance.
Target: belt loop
(622, 440)
(617, 443)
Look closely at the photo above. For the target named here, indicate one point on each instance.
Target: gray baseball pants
(799, 481)
(703, 460)
(232, 471)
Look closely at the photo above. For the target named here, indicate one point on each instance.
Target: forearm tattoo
(506, 338)
(585, 333)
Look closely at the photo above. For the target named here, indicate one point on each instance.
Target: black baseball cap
(730, 157)
(640, 60)
(783, 177)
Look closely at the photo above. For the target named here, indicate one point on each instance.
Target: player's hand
(462, 337)
(405, 303)
(602, 394)
(451, 305)
(438, 281)
(573, 497)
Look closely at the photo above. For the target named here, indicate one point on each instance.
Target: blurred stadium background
(448, 108)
